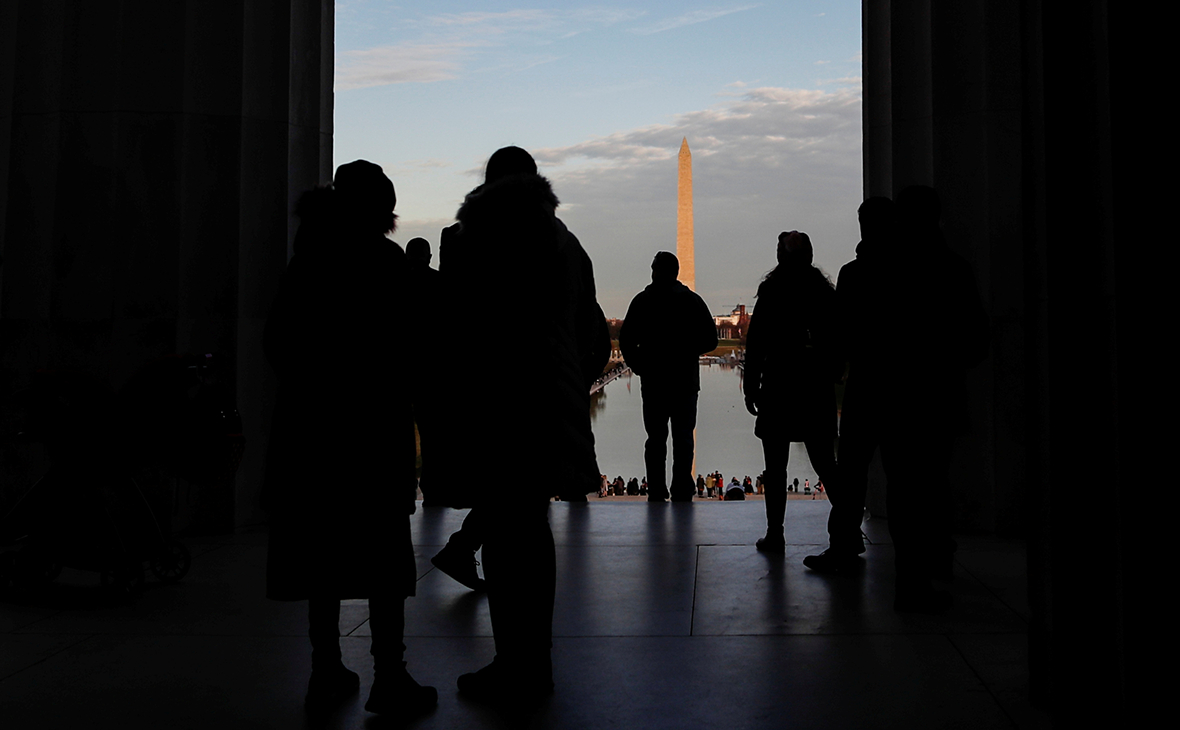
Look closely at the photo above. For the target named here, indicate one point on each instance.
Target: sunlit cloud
(769, 160)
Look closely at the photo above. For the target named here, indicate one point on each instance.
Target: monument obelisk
(684, 244)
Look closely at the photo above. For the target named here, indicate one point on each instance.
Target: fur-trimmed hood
(510, 191)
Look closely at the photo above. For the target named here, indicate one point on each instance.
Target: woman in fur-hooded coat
(516, 277)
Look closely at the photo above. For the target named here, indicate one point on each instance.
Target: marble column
(152, 152)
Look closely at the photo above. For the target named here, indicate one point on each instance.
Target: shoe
(460, 565)
(832, 562)
(923, 601)
(495, 685)
(683, 497)
(400, 694)
(328, 687)
(771, 544)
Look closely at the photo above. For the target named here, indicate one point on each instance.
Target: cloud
(842, 81)
(771, 159)
(414, 166)
(794, 120)
(493, 22)
(445, 46)
(401, 64)
(607, 16)
(690, 18)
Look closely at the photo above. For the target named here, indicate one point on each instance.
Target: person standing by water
(510, 253)
(666, 330)
(906, 293)
(791, 369)
(339, 525)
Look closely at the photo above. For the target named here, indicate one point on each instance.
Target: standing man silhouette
(918, 325)
(668, 326)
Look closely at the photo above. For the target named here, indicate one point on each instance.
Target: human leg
(655, 449)
(775, 453)
(521, 567)
(684, 422)
(915, 498)
(844, 536)
(457, 558)
(331, 682)
(394, 690)
(847, 491)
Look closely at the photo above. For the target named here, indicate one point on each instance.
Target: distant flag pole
(684, 236)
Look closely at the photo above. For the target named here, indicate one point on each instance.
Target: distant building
(732, 326)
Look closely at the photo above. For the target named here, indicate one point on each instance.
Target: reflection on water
(725, 431)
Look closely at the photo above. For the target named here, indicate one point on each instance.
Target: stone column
(152, 152)
(1028, 121)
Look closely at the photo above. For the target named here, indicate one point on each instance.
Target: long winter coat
(340, 464)
(791, 356)
(520, 312)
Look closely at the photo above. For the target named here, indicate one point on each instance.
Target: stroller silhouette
(88, 512)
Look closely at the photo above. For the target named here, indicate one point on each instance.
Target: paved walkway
(666, 617)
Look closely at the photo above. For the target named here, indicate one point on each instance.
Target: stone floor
(666, 617)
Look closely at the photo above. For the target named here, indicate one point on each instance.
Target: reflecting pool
(725, 431)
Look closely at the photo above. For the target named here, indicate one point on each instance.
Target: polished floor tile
(666, 617)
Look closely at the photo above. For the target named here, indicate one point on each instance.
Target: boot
(330, 684)
(400, 693)
(459, 564)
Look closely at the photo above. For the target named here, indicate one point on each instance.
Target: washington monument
(684, 245)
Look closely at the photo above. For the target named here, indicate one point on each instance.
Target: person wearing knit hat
(339, 483)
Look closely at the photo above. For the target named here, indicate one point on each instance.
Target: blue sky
(767, 94)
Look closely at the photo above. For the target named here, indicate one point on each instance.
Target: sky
(767, 94)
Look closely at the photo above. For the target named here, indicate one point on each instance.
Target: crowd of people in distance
(608, 376)
(710, 486)
(340, 485)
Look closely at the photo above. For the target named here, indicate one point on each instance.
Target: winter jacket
(667, 327)
(791, 360)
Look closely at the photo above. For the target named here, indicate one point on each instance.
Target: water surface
(725, 430)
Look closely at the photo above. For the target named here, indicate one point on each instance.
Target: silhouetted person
(423, 293)
(340, 467)
(791, 368)
(864, 288)
(667, 327)
(509, 254)
(920, 326)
